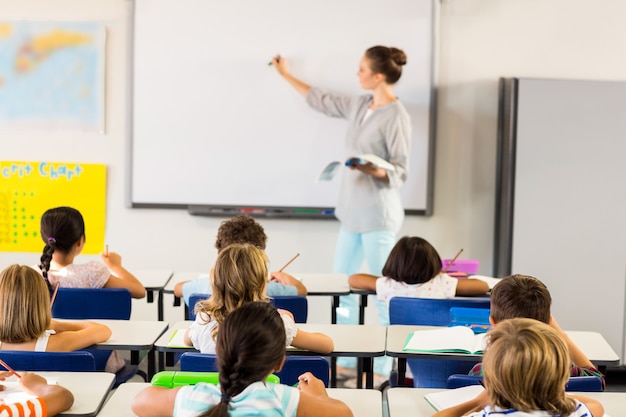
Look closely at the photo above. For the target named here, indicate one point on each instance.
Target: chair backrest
(293, 368)
(575, 383)
(193, 299)
(49, 361)
(429, 311)
(431, 373)
(296, 304)
(92, 303)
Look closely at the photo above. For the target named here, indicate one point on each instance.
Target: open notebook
(177, 339)
(451, 397)
(456, 339)
(13, 393)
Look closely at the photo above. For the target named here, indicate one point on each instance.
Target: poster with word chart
(28, 189)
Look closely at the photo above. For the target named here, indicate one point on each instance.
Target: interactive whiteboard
(216, 128)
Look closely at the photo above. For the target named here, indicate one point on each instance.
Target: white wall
(479, 41)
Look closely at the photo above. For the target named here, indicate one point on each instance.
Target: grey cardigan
(365, 203)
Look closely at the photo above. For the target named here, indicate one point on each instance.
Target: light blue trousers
(351, 250)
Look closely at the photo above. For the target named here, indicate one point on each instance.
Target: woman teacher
(369, 207)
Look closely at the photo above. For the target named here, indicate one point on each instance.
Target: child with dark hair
(523, 296)
(250, 346)
(63, 231)
(413, 269)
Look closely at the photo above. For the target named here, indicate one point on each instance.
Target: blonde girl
(26, 320)
(526, 366)
(239, 277)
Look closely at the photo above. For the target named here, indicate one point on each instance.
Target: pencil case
(173, 379)
(476, 319)
(469, 266)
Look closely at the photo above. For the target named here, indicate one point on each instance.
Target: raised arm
(74, 335)
(363, 281)
(468, 286)
(120, 277)
(286, 279)
(576, 355)
(280, 63)
(314, 400)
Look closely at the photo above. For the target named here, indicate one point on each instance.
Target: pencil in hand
(288, 262)
(8, 368)
(451, 262)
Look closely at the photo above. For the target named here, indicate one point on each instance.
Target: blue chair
(296, 304)
(293, 368)
(431, 373)
(97, 303)
(575, 383)
(92, 303)
(79, 361)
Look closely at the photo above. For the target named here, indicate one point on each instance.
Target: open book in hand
(331, 169)
(449, 398)
(457, 339)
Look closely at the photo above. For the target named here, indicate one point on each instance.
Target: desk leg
(333, 309)
(160, 305)
(161, 361)
(333, 372)
(151, 364)
(169, 359)
(149, 296)
(359, 372)
(186, 312)
(401, 372)
(134, 357)
(362, 306)
(176, 301)
(368, 367)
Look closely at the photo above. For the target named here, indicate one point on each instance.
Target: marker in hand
(106, 250)
(277, 58)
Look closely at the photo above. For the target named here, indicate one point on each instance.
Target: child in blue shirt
(250, 346)
(242, 229)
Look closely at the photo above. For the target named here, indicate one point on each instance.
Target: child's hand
(33, 383)
(282, 278)
(111, 260)
(308, 383)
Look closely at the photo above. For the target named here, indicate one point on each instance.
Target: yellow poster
(28, 189)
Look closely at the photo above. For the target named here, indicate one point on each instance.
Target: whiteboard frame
(277, 211)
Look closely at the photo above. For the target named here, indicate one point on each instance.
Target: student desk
(592, 344)
(154, 281)
(88, 397)
(181, 277)
(367, 403)
(410, 402)
(326, 284)
(135, 336)
(364, 342)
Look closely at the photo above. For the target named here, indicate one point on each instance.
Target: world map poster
(52, 76)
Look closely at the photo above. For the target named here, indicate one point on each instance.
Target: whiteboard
(214, 125)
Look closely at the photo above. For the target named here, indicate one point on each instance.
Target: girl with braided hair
(250, 346)
(63, 231)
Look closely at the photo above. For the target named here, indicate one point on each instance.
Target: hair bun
(398, 56)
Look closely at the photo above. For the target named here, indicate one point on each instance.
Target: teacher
(369, 207)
